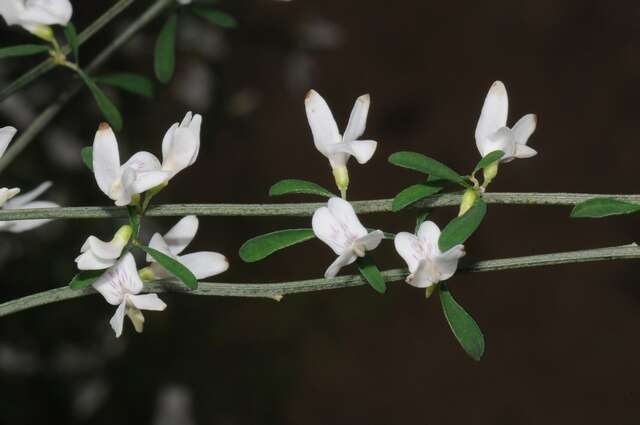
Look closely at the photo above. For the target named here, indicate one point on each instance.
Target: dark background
(561, 341)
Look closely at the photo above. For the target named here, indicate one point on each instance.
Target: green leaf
(262, 246)
(72, 37)
(22, 50)
(87, 156)
(465, 329)
(424, 164)
(372, 274)
(413, 194)
(165, 50)
(216, 17)
(603, 207)
(460, 228)
(109, 110)
(85, 278)
(172, 266)
(284, 187)
(421, 218)
(134, 221)
(133, 83)
(488, 159)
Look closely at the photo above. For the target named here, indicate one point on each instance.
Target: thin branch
(48, 64)
(52, 110)
(277, 290)
(301, 209)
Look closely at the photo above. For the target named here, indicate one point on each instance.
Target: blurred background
(561, 341)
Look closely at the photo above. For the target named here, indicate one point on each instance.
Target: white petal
(143, 161)
(194, 126)
(524, 151)
(6, 194)
(493, 115)
(6, 135)
(11, 11)
(344, 213)
(501, 140)
(181, 234)
(447, 263)
(47, 12)
(107, 250)
(343, 259)
(371, 240)
(119, 280)
(358, 119)
(117, 321)
(428, 235)
(148, 180)
(106, 159)
(424, 276)
(147, 302)
(329, 230)
(409, 248)
(130, 280)
(20, 201)
(89, 261)
(181, 150)
(524, 128)
(109, 287)
(204, 264)
(323, 126)
(362, 150)
(20, 226)
(158, 243)
(166, 140)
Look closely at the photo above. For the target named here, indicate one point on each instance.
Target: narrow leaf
(216, 17)
(72, 37)
(372, 274)
(413, 194)
(464, 328)
(460, 228)
(284, 187)
(264, 245)
(134, 221)
(424, 164)
(603, 207)
(109, 110)
(22, 50)
(87, 157)
(85, 278)
(172, 266)
(165, 50)
(133, 83)
(488, 159)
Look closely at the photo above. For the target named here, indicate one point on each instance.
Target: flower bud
(490, 171)
(123, 235)
(429, 290)
(146, 274)
(342, 179)
(43, 31)
(468, 199)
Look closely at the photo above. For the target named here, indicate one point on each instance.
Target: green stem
(303, 209)
(83, 37)
(52, 110)
(278, 290)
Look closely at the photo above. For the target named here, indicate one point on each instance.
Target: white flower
(202, 264)
(338, 226)
(26, 201)
(6, 135)
(492, 133)
(120, 285)
(33, 14)
(427, 264)
(327, 139)
(120, 182)
(181, 144)
(99, 255)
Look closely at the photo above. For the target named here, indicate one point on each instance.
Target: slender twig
(83, 37)
(277, 290)
(52, 110)
(301, 209)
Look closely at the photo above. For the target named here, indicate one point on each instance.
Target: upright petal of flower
(6, 135)
(106, 159)
(410, 249)
(194, 125)
(119, 280)
(522, 130)
(323, 125)
(180, 151)
(428, 235)
(204, 264)
(47, 12)
(344, 213)
(329, 230)
(493, 115)
(358, 119)
(181, 234)
(11, 11)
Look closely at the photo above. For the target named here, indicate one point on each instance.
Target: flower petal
(6, 194)
(117, 321)
(158, 243)
(129, 278)
(143, 161)
(358, 119)
(370, 241)
(409, 248)
(327, 228)
(501, 140)
(109, 287)
(204, 264)
(524, 128)
(6, 135)
(148, 179)
(107, 250)
(447, 263)
(323, 125)
(362, 150)
(344, 213)
(181, 234)
(194, 125)
(20, 201)
(428, 235)
(106, 158)
(147, 302)
(20, 226)
(343, 259)
(168, 137)
(524, 151)
(47, 12)
(89, 261)
(181, 150)
(493, 115)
